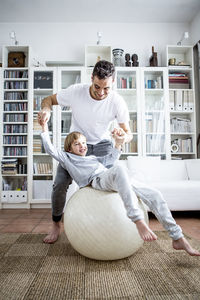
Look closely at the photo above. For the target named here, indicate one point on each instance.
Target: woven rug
(30, 269)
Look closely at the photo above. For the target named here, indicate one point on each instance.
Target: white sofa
(178, 180)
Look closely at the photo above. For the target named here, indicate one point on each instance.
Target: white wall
(195, 29)
(66, 41)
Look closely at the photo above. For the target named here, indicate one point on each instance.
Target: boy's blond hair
(73, 136)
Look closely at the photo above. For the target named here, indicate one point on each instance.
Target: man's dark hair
(103, 69)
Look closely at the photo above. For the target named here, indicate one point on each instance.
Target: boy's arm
(46, 106)
(50, 149)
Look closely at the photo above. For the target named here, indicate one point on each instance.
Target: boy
(91, 170)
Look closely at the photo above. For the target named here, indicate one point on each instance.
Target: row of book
(133, 125)
(15, 74)
(65, 124)
(17, 85)
(21, 185)
(126, 82)
(16, 139)
(130, 147)
(15, 128)
(155, 143)
(37, 145)
(154, 83)
(16, 106)
(155, 122)
(181, 100)
(37, 102)
(15, 117)
(180, 125)
(15, 151)
(184, 144)
(13, 166)
(42, 168)
(178, 80)
(15, 96)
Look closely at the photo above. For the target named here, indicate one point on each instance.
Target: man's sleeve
(64, 97)
(122, 113)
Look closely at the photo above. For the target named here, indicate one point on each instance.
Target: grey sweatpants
(63, 179)
(117, 179)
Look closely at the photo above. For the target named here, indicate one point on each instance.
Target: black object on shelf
(43, 80)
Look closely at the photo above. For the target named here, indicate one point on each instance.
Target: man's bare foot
(145, 232)
(53, 234)
(183, 244)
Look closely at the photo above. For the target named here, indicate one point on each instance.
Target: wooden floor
(39, 221)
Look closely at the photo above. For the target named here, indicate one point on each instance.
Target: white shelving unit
(127, 84)
(15, 132)
(44, 167)
(66, 77)
(182, 102)
(155, 114)
(94, 53)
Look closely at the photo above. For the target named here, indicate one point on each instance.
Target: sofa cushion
(145, 169)
(193, 168)
(173, 170)
(180, 195)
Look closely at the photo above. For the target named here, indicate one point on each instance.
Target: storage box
(16, 59)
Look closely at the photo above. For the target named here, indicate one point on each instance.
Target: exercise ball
(97, 226)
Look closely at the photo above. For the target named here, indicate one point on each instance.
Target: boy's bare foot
(145, 232)
(53, 234)
(183, 244)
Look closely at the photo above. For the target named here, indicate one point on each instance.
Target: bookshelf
(154, 110)
(181, 102)
(66, 77)
(44, 167)
(161, 107)
(127, 84)
(15, 132)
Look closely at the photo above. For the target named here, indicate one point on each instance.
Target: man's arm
(119, 137)
(46, 106)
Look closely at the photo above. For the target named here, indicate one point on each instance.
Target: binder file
(190, 101)
(178, 100)
(171, 100)
(185, 101)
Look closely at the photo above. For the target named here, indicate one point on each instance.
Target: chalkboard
(43, 80)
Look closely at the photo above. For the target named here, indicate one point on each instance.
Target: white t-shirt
(92, 117)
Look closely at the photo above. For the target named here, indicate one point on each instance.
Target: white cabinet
(66, 77)
(160, 100)
(15, 106)
(145, 90)
(127, 84)
(154, 110)
(43, 166)
(181, 102)
(94, 53)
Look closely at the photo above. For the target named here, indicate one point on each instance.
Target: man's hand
(44, 116)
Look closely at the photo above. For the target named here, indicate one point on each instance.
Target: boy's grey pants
(117, 179)
(63, 179)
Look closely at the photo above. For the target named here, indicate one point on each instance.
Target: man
(93, 107)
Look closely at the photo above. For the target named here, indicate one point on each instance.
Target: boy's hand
(43, 116)
(119, 136)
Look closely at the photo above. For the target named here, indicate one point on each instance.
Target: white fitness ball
(97, 226)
